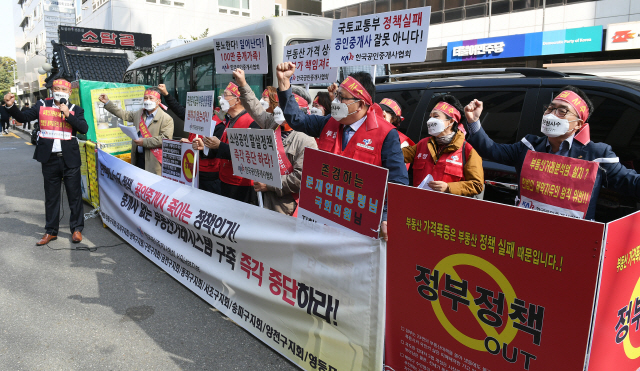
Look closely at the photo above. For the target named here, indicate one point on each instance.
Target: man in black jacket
(58, 152)
(4, 119)
(26, 125)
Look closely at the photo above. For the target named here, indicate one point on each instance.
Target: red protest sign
(472, 285)
(616, 334)
(52, 124)
(557, 184)
(340, 191)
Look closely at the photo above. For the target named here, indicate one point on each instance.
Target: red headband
(152, 92)
(355, 88)
(61, 82)
(395, 107)
(266, 91)
(448, 110)
(315, 100)
(584, 135)
(576, 102)
(302, 103)
(233, 88)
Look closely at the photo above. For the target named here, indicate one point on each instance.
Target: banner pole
(195, 166)
(375, 69)
(306, 86)
(260, 203)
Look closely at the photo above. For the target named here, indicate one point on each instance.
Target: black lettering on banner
(307, 300)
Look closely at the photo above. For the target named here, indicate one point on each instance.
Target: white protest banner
(254, 155)
(199, 111)
(313, 293)
(178, 162)
(247, 52)
(393, 37)
(312, 63)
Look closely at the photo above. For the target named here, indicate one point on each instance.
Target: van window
(183, 80)
(500, 116)
(254, 81)
(408, 101)
(203, 72)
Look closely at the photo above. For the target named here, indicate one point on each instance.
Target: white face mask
(436, 126)
(553, 126)
(57, 95)
(264, 104)
(149, 105)
(224, 104)
(317, 111)
(278, 115)
(340, 110)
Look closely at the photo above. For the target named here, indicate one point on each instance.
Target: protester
(60, 158)
(444, 161)
(208, 176)
(321, 104)
(4, 119)
(291, 145)
(392, 112)
(27, 125)
(153, 126)
(566, 134)
(357, 122)
(236, 116)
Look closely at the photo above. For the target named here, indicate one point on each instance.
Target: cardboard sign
(199, 112)
(393, 37)
(616, 334)
(557, 184)
(254, 155)
(248, 53)
(312, 63)
(475, 285)
(52, 124)
(340, 191)
(177, 162)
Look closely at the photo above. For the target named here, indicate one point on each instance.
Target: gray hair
(303, 93)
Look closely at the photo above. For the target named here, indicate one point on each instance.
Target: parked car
(513, 100)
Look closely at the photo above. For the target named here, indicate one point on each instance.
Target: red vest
(404, 138)
(366, 143)
(207, 165)
(449, 167)
(226, 168)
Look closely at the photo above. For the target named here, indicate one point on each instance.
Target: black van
(513, 99)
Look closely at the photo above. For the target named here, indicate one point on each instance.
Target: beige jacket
(280, 200)
(160, 128)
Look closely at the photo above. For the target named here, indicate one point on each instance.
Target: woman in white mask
(444, 161)
(321, 104)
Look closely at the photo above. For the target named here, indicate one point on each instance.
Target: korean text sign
(479, 285)
(248, 53)
(340, 191)
(275, 289)
(177, 162)
(557, 184)
(199, 112)
(254, 155)
(393, 37)
(312, 62)
(53, 125)
(110, 39)
(616, 334)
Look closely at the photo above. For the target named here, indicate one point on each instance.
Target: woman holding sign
(444, 161)
(290, 144)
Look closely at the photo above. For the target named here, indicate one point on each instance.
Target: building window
(151, 1)
(476, 11)
(435, 5)
(176, 3)
(165, 2)
(453, 15)
(277, 12)
(415, 4)
(398, 5)
(523, 4)
(500, 7)
(367, 8)
(235, 7)
(328, 14)
(353, 11)
(436, 18)
(453, 4)
(382, 6)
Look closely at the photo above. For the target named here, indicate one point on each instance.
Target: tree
(6, 75)
(140, 54)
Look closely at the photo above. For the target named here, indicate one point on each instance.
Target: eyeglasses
(340, 98)
(560, 111)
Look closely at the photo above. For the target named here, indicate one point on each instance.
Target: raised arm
(251, 103)
(115, 110)
(172, 102)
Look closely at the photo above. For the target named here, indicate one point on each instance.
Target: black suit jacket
(4, 114)
(70, 149)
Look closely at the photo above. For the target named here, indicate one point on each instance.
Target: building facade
(37, 24)
(471, 21)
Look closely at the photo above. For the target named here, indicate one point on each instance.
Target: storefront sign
(622, 36)
(574, 40)
(98, 38)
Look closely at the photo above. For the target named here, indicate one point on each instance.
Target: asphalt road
(112, 309)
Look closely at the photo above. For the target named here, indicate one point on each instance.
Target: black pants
(209, 181)
(239, 193)
(54, 172)
(5, 125)
(140, 160)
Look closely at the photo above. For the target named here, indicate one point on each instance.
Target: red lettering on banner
(89, 37)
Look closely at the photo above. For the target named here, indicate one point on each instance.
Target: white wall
(334, 4)
(166, 22)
